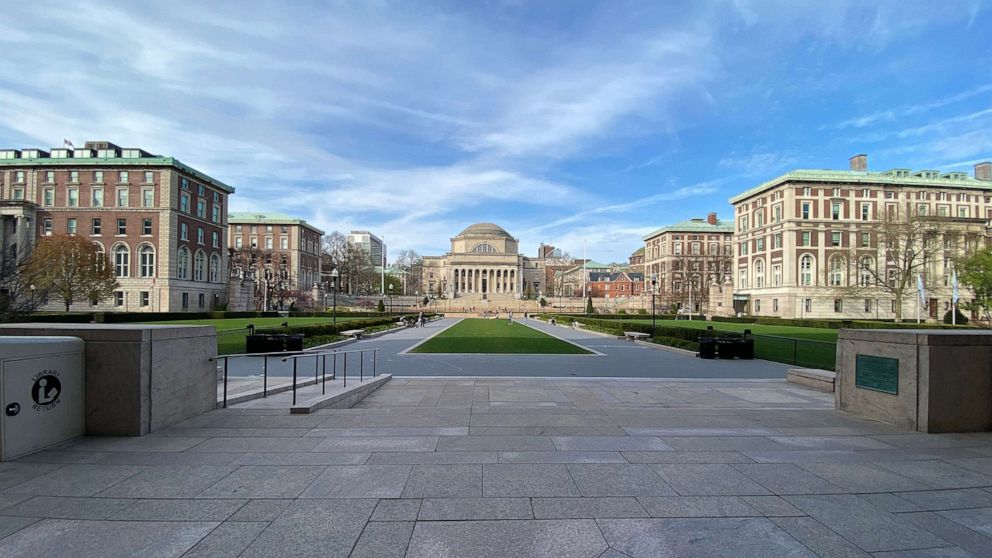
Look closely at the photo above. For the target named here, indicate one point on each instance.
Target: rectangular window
(121, 226)
(268, 243)
(201, 208)
(215, 239)
(97, 197)
(268, 228)
(761, 245)
(201, 298)
(98, 177)
(47, 227)
(216, 197)
(836, 192)
(865, 211)
(184, 184)
(963, 211)
(237, 242)
(49, 197)
(199, 189)
(74, 177)
(254, 229)
(943, 210)
(254, 242)
(146, 226)
(72, 197)
(96, 226)
(835, 239)
(19, 177)
(775, 305)
(838, 305)
(147, 197)
(237, 229)
(70, 226)
(122, 197)
(200, 239)
(184, 203)
(144, 298)
(835, 211)
(149, 177)
(118, 298)
(50, 177)
(18, 194)
(807, 191)
(215, 214)
(284, 229)
(284, 243)
(777, 213)
(808, 304)
(867, 305)
(806, 238)
(777, 241)
(185, 296)
(865, 240)
(921, 209)
(122, 177)
(183, 231)
(805, 210)
(777, 275)
(757, 305)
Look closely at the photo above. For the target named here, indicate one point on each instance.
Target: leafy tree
(70, 268)
(975, 275)
(542, 302)
(381, 307)
(426, 301)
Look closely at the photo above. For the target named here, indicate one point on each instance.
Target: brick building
(283, 242)
(685, 259)
(160, 221)
(807, 243)
(622, 284)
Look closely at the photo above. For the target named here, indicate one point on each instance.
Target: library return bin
(41, 388)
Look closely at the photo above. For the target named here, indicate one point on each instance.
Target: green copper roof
(593, 264)
(961, 180)
(119, 161)
(694, 225)
(638, 252)
(256, 218)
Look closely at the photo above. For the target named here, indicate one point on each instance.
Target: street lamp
(654, 315)
(588, 300)
(334, 289)
(390, 298)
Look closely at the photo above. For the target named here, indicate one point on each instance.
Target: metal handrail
(334, 353)
(265, 366)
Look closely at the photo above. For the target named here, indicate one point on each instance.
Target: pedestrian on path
(511, 318)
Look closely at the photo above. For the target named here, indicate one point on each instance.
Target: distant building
(161, 222)
(577, 277)
(622, 284)
(371, 245)
(685, 258)
(282, 241)
(636, 261)
(807, 241)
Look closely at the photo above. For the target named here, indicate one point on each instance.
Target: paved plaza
(514, 467)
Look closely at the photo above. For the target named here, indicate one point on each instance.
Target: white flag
(921, 290)
(954, 286)
(67, 143)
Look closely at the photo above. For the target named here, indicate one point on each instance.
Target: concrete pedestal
(140, 378)
(926, 380)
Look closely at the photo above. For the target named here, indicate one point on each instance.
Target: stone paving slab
(560, 466)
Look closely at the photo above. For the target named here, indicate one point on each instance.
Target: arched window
(122, 261)
(182, 263)
(759, 273)
(837, 264)
(199, 266)
(865, 271)
(806, 270)
(484, 249)
(214, 268)
(146, 261)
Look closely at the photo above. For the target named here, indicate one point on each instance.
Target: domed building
(484, 264)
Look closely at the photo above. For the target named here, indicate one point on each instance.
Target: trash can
(707, 347)
(745, 348)
(294, 342)
(41, 386)
(726, 347)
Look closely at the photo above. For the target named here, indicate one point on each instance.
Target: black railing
(321, 375)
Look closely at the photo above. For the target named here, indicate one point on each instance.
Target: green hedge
(851, 324)
(733, 319)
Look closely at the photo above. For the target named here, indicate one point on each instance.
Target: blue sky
(565, 122)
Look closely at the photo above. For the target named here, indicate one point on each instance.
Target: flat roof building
(283, 242)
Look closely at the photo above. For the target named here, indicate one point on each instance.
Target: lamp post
(334, 290)
(654, 286)
(390, 298)
(588, 299)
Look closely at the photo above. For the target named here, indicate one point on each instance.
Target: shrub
(961, 318)
(543, 302)
(622, 312)
(642, 310)
(380, 307)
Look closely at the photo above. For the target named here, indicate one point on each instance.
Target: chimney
(711, 218)
(859, 163)
(983, 171)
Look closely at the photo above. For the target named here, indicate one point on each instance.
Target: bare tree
(17, 298)
(412, 265)
(902, 246)
(273, 278)
(693, 271)
(70, 268)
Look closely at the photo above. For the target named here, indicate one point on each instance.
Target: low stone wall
(140, 378)
(813, 378)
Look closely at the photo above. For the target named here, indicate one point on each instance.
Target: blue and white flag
(954, 286)
(921, 290)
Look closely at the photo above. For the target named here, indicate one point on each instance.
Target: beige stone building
(807, 243)
(685, 259)
(484, 263)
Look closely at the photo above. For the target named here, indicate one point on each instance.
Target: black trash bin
(745, 348)
(294, 342)
(257, 343)
(707, 347)
(726, 347)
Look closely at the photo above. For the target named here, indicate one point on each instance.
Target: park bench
(356, 333)
(635, 335)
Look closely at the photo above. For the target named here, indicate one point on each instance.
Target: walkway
(514, 467)
(622, 359)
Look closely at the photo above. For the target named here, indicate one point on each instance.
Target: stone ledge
(820, 380)
(344, 399)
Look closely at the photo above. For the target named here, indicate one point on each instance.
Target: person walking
(510, 314)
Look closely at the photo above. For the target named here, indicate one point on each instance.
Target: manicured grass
(476, 335)
(788, 344)
(231, 332)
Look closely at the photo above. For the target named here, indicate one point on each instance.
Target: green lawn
(475, 335)
(231, 332)
(812, 347)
